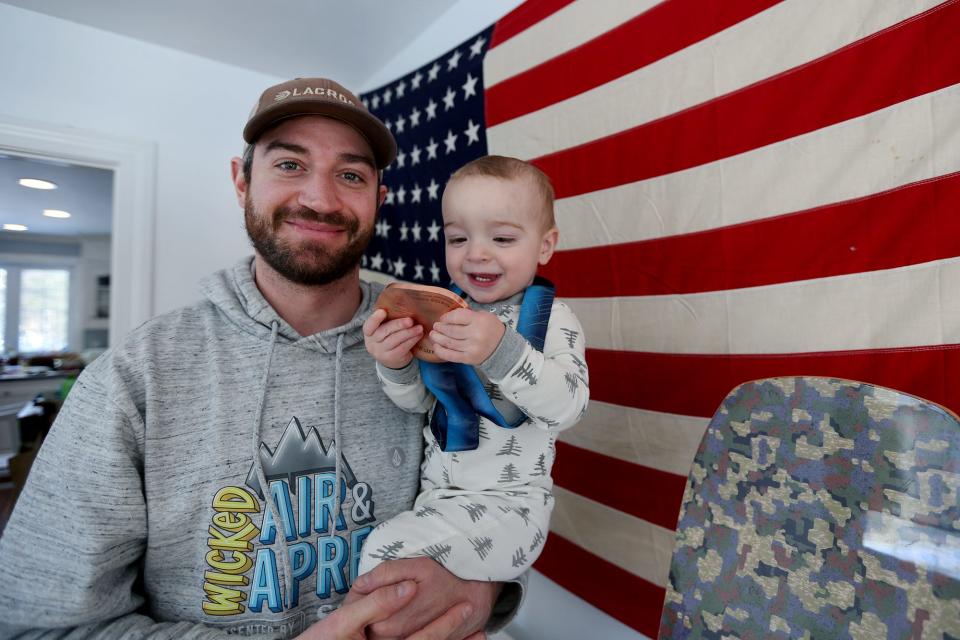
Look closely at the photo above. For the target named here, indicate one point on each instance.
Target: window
(34, 309)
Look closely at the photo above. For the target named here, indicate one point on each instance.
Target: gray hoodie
(146, 515)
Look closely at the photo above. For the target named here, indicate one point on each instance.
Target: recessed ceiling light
(56, 213)
(36, 183)
(14, 227)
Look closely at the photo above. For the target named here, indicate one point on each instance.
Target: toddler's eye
(503, 240)
(455, 241)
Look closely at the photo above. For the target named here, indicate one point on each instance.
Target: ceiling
(85, 192)
(350, 41)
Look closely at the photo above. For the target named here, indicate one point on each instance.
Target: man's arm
(70, 555)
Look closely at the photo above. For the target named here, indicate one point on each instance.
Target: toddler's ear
(548, 245)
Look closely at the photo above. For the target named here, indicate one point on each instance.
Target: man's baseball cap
(322, 97)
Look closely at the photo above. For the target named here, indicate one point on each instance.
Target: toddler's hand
(466, 336)
(390, 343)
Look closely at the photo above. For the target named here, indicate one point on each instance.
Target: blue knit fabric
(461, 398)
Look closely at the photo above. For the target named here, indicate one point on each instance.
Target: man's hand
(445, 607)
(390, 343)
(350, 621)
(467, 336)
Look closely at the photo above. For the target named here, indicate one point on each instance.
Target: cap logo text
(313, 91)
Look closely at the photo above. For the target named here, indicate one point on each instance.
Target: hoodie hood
(235, 294)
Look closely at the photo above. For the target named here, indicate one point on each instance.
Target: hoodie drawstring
(336, 429)
(258, 465)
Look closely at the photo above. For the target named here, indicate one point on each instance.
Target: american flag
(746, 189)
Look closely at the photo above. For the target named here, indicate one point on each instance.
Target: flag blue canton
(436, 115)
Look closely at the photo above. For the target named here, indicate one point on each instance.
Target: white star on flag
(389, 198)
(469, 87)
(401, 88)
(404, 230)
(386, 229)
(432, 189)
(414, 117)
(417, 271)
(432, 150)
(375, 101)
(401, 195)
(448, 99)
(415, 230)
(431, 110)
(388, 124)
(433, 71)
(415, 155)
(415, 193)
(450, 141)
(434, 271)
(477, 47)
(401, 158)
(401, 122)
(434, 231)
(398, 267)
(472, 131)
(387, 95)
(415, 80)
(376, 262)
(453, 61)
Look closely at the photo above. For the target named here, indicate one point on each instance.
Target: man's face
(312, 199)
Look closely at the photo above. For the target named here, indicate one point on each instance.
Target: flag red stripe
(695, 384)
(908, 225)
(654, 34)
(649, 494)
(919, 56)
(621, 594)
(523, 17)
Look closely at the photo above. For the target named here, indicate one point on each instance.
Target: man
(217, 472)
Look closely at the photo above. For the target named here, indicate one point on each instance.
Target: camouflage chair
(820, 508)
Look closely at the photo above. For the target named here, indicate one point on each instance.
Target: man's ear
(548, 245)
(239, 181)
(381, 194)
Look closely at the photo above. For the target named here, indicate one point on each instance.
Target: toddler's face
(494, 236)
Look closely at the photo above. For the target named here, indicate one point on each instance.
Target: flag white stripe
(662, 441)
(566, 29)
(879, 151)
(903, 307)
(634, 545)
(723, 63)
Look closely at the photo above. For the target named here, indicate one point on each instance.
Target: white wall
(60, 73)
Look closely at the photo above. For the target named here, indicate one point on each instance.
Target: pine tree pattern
(519, 557)
(446, 476)
(581, 365)
(474, 510)
(524, 513)
(550, 422)
(573, 383)
(537, 540)
(389, 551)
(439, 552)
(540, 468)
(525, 372)
(482, 431)
(509, 473)
(483, 546)
(425, 511)
(571, 336)
(493, 391)
(510, 448)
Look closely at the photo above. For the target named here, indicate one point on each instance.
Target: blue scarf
(461, 398)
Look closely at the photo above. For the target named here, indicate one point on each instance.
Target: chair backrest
(820, 508)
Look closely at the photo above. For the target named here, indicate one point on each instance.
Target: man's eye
(288, 165)
(351, 176)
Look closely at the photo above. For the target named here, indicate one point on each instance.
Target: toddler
(518, 377)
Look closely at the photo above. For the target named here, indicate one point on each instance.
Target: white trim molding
(133, 163)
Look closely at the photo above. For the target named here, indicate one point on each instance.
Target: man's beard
(306, 263)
